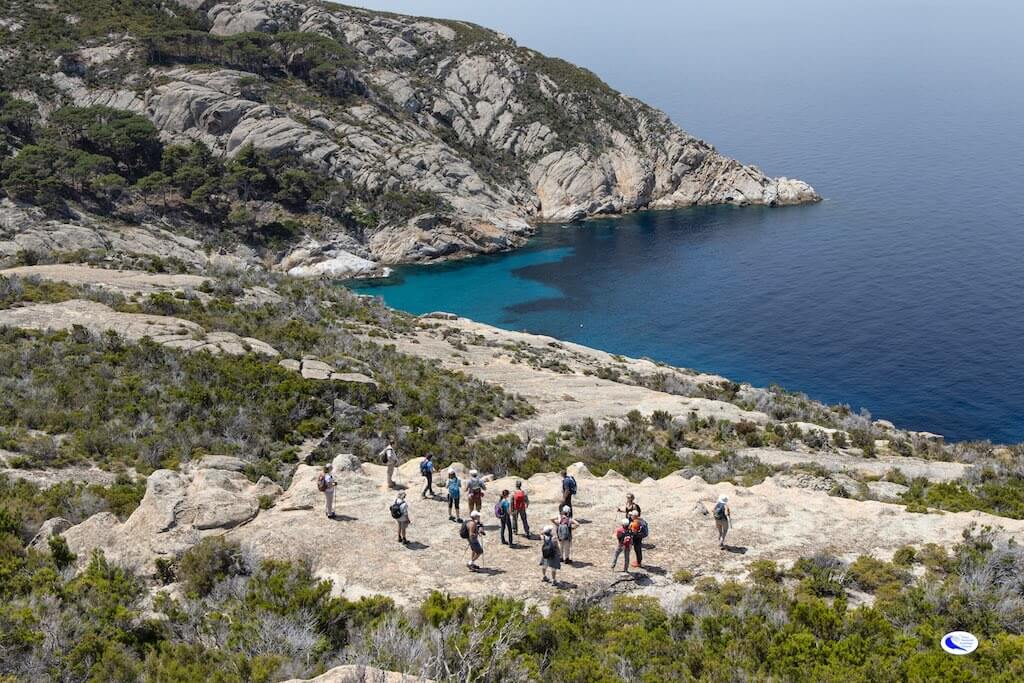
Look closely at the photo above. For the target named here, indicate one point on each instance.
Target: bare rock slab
(98, 319)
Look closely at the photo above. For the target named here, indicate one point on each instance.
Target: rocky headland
(476, 137)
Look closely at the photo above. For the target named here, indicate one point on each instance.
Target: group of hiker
(511, 511)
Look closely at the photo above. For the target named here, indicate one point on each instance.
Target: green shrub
(683, 576)
(905, 556)
(765, 572)
(875, 576)
(207, 562)
(441, 608)
(60, 552)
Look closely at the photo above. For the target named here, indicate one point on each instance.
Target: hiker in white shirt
(389, 457)
(326, 484)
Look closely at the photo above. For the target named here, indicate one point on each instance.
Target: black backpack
(547, 551)
(719, 510)
(396, 510)
(464, 530)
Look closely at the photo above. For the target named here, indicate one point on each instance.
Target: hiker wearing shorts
(427, 470)
(549, 556)
(326, 483)
(475, 529)
(520, 501)
(475, 487)
(454, 492)
(631, 505)
(563, 530)
(624, 539)
(723, 519)
(389, 457)
(568, 490)
(504, 512)
(400, 512)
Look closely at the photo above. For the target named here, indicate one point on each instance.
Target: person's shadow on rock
(736, 549)
(416, 545)
(343, 518)
(490, 571)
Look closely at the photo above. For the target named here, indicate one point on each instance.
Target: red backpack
(519, 500)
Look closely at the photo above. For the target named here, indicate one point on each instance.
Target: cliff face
(500, 135)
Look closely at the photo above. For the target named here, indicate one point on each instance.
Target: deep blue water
(902, 293)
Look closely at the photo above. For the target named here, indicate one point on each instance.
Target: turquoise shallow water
(902, 293)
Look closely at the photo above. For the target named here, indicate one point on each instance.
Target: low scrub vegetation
(239, 619)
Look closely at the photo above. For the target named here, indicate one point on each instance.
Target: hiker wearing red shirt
(520, 501)
(625, 540)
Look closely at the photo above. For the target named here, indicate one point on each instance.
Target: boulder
(176, 512)
(51, 527)
(316, 369)
(359, 673)
(291, 364)
(346, 462)
(353, 377)
(222, 462)
(886, 491)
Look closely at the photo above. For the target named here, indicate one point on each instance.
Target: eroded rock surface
(501, 135)
(178, 509)
(358, 550)
(98, 318)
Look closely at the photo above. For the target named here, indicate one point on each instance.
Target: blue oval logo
(959, 643)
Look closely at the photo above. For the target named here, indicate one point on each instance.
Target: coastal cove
(900, 293)
(763, 296)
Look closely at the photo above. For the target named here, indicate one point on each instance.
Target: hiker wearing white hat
(565, 525)
(475, 487)
(472, 531)
(723, 518)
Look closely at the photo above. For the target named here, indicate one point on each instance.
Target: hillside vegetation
(297, 133)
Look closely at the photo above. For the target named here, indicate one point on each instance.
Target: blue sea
(902, 292)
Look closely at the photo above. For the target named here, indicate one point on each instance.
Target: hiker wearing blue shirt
(568, 490)
(503, 510)
(427, 470)
(454, 494)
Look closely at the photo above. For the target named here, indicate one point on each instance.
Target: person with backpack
(325, 484)
(503, 511)
(472, 531)
(565, 525)
(624, 537)
(454, 493)
(520, 501)
(723, 518)
(568, 490)
(549, 558)
(389, 457)
(638, 532)
(400, 513)
(475, 487)
(427, 470)
(631, 505)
